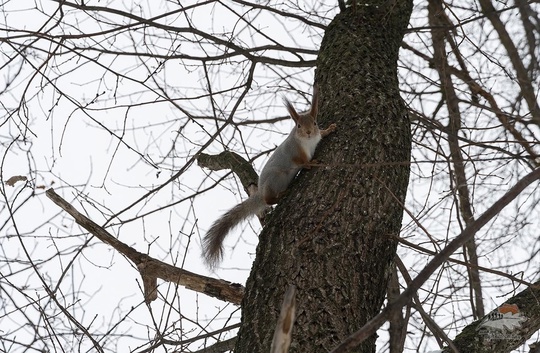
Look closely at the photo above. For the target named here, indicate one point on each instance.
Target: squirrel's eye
(315, 123)
(299, 126)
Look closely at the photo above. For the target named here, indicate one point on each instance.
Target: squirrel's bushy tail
(213, 241)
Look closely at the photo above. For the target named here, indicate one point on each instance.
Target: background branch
(152, 269)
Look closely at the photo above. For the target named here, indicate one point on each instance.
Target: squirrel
(293, 154)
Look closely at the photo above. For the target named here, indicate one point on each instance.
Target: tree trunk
(334, 233)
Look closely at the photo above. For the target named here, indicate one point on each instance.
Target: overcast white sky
(68, 150)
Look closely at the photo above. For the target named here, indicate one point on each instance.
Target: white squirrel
(288, 158)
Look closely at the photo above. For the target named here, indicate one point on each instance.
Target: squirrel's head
(306, 123)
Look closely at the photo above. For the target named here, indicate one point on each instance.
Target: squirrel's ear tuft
(315, 102)
(292, 112)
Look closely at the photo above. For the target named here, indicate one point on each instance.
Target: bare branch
(522, 77)
(150, 268)
(371, 326)
(236, 163)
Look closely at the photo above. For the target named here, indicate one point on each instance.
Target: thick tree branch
(152, 269)
(236, 163)
(219, 347)
(478, 338)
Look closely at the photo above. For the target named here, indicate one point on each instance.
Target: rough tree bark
(334, 234)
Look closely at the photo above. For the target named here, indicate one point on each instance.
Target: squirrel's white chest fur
(310, 144)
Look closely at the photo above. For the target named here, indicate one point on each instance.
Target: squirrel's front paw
(329, 130)
(312, 163)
